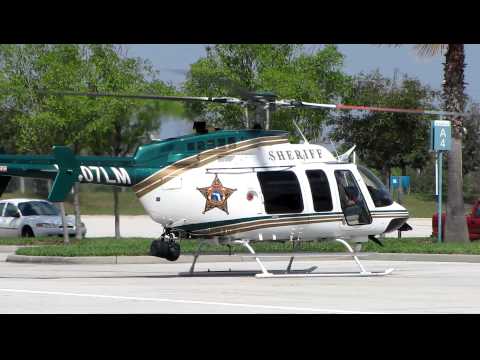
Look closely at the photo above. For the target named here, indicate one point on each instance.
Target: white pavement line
(271, 307)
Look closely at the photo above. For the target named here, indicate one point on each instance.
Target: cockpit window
(379, 193)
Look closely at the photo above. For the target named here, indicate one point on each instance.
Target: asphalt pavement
(414, 287)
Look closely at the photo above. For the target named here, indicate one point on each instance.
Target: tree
(41, 120)
(117, 125)
(381, 138)
(99, 125)
(471, 145)
(454, 100)
(287, 70)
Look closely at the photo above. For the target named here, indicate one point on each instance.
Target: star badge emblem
(216, 195)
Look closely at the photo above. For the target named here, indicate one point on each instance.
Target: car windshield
(37, 208)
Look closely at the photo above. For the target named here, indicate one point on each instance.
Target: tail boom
(65, 169)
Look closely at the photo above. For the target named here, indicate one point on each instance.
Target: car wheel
(27, 232)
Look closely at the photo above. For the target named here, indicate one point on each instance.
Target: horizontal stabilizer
(68, 172)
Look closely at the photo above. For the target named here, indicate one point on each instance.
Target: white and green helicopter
(236, 186)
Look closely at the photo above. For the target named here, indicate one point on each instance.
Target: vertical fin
(68, 171)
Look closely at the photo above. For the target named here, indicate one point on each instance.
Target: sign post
(440, 141)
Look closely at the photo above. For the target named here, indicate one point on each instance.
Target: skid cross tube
(257, 259)
(195, 257)
(289, 267)
(350, 250)
(308, 272)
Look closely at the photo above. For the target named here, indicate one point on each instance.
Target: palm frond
(428, 50)
(424, 50)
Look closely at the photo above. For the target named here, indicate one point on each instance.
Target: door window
(351, 199)
(2, 205)
(11, 210)
(322, 198)
(281, 192)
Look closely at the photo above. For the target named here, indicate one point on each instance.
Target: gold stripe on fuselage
(203, 158)
(248, 226)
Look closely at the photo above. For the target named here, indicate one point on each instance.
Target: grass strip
(141, 246)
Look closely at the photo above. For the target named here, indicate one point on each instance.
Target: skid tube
(308, 273)
(289, 273)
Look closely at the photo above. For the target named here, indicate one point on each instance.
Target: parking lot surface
(414, 287)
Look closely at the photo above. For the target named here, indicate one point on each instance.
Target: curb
(116, 259)
(9, 248)
(239, 258)
(155, 260)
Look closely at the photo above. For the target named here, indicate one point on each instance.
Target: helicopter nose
(399, 207)
(399, 219)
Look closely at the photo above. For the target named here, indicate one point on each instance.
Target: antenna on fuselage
(300, 131)
(334, 147)
(346, 155)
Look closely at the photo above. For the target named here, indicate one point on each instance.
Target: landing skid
(288, 272)
(332, 274)
(230, 272)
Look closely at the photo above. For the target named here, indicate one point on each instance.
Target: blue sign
(440, 135)
(397, 181)
(394, 181)
(405, 182)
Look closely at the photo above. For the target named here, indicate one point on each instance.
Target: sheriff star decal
(216, 195)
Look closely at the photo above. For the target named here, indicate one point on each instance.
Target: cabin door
(352, 200)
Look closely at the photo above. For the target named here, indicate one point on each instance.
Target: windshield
(379, 193)
(37, 208)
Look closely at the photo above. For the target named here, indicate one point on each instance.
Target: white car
(33, 217)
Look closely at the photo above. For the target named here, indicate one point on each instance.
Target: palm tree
(454, 99)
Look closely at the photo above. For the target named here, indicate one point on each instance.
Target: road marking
(178, 301)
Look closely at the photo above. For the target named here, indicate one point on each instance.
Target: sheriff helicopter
(236, 186)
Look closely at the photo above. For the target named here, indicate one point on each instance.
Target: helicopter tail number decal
(70, 171)
(110, 175)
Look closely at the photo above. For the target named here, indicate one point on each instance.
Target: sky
(358, 57)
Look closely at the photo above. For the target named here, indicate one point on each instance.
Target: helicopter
(237, 186)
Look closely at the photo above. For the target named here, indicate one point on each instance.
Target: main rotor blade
(146, 97)
(395, 110)
(308, 105)
(131, 96)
